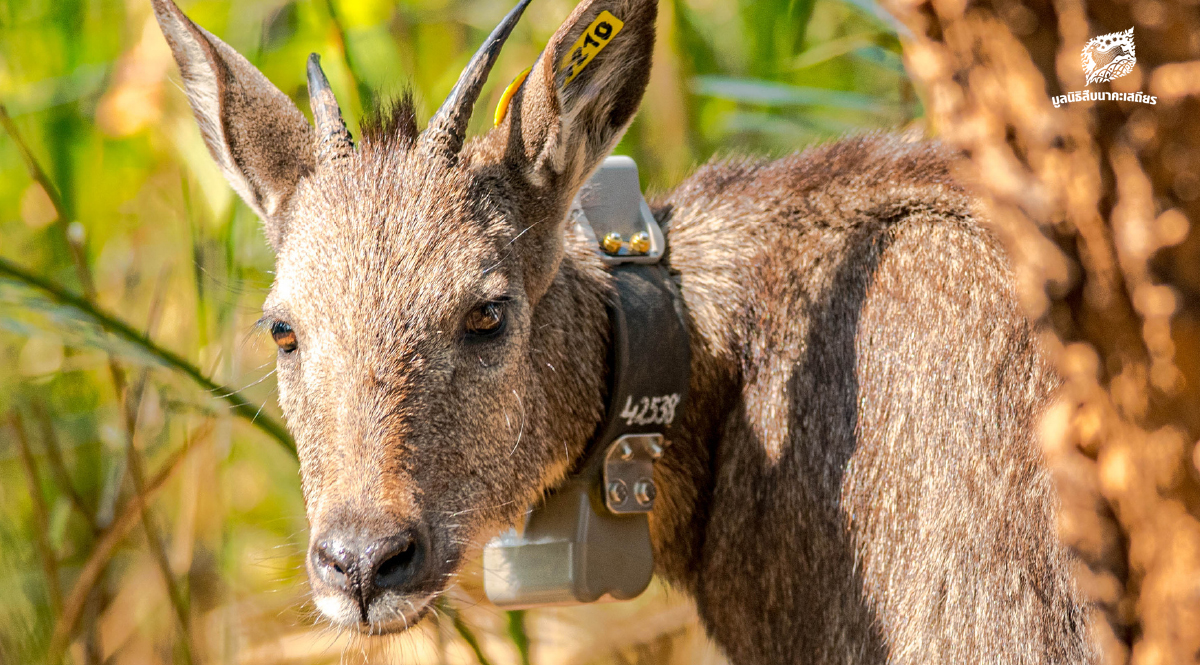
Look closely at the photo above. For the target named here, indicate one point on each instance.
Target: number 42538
(650, 410)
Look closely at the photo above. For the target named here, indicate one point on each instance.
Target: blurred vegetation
(150, 508)
(1097, 203)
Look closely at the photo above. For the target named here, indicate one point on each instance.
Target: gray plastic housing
(573, 550)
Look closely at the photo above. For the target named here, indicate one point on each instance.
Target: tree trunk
(1097, 203)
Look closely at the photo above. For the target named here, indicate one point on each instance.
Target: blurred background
(150, 508)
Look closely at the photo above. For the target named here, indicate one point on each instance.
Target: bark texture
(1096, 203)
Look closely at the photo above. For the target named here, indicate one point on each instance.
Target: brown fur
(858, 479)
(864, 443)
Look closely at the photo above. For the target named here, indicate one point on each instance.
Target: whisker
(264, 405)
(249, 385)
(507, 246)
(522, 430)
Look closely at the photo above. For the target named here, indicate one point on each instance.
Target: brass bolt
(611, 243)
(656, 450)
(625, 451)
(640, 242)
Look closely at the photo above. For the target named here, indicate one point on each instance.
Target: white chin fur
(338, 609)
(387, 614)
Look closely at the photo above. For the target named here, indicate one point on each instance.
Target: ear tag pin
(506, 98)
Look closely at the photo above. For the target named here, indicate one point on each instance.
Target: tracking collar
(590, 538)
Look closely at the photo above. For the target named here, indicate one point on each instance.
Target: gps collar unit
(589, 540)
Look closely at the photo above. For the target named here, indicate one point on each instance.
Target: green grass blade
(518, 634)
(115, 326)
(771, 93)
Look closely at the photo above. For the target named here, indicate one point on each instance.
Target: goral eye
(485, 320)
(284, 336)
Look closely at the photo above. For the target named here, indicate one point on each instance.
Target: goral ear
(583, 92)
(258, 137)
(571, 111)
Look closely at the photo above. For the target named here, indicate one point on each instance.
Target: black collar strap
(649, 355)
(590, 538)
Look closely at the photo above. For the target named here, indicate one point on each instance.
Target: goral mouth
(403, 622)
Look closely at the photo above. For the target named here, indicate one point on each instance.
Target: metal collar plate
(612, 214)
(629, 473)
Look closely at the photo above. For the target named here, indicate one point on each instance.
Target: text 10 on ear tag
(590, 43)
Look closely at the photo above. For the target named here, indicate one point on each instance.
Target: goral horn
(333, 139)
(448, 127)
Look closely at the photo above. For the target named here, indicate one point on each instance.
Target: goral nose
(363, 567)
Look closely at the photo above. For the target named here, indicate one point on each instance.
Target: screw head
(640, 242)
(624, 451)
(617, 492)
(611, 243)
(645, 491)
(656, 450)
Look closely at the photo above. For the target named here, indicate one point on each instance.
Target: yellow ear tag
(506, 98)
(590, 43)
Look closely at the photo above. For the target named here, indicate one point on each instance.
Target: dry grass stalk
(131, 401)
(62, 221)
(129, 517)
(41, 516)
(55, 461)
